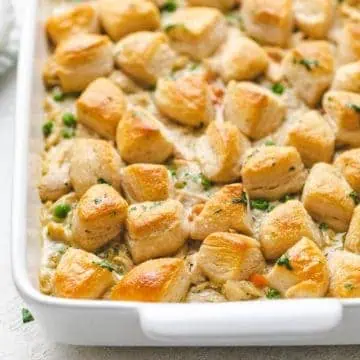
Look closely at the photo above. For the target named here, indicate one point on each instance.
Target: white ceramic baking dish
(282, 322)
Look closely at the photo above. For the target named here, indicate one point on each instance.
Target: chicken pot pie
(201, 151)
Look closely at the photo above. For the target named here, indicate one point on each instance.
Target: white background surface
(27, 342)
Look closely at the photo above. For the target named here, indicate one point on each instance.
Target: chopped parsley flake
(169, 6)
(259, 204)
(180, 184)
(323, 226)
(354, 107)
(273, 294)
(278, 88)
(349, 286)
(47, 128)
(68, 133)
(102, 181)
(104, 264)
(270, 143)
(308, 63)
(355, 196)
(172, 169)
(234, 18)
(69, 120)
(287, 197)
(170, 27)
(217, 211)
(284, 261)
(61, 211)
(270, 208)
(240, 200)
(58, 95)
(26, 316)
(194, 66)
(97, 201)
(205, 182)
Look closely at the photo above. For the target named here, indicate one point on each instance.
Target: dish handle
(280, 317)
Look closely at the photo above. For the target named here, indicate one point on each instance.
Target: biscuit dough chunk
(301, 272)
(352, 239)
(327, 197)
(309, 67)
(268, 21)
(82, 18)
(101, 106)
(226, 210)
(78, 61)
(98, 217)
(347, 78)
(145, 56)
(270, 172)
(120, 18)
(225, 256)
(140, 138)
(186, 100)
(349, 45)
(155, 229)
(196, 31)
(343, 109)
(79, 276)
(92, 162)
(145, 182)
(219, 4)
(284, 226)
(313, 138)
(220, 152)
(161, 280)
(349, 164)
(314, 17)
(255, 110)
(239, 58)
(344, 274)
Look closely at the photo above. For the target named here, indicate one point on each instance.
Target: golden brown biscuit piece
(301, 272)
(196, 31)
(352, 239)
(344, 274)
(226, 256)
(220, 151)
(78, 61)
(145, 182)
(187, 100)
(268, 21)
(347, 78)
(270, 172)
(309, 68)
(155, 229)
(81, 18)
(219, 4)
(92, 162)
(313, 138)
(145, 56)
(120, 18)
(140, 139)
(239, 58)
(349, 164)
(226, 210)
(98, 217)
(284, 226)
(161, 280)
(255, 110)
(343, 109)
(327, 197)
(101, 106)
(314, 17)
(349, 45)
(79, 276)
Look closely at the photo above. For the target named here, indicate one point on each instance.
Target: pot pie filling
(201, 150)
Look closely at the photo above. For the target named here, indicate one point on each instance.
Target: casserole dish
(82, 322)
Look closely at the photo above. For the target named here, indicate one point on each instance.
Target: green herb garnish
(271, 207)
(68, 133)
(270, 143)
(102, 181)
(354, 107)
(349, 286)
(278, 88)
(172, 170)
(180, 184)
(169, 27)
(104, 264)
(260, 204)
(69, 120)
(169, 6)
(205, 182)
(61, 211)
(323, 226)
(47, 128)
(273, 294)
(58, 95)
(309, 64)
(240, 200)
(194, 66)
(284, 261)
(287, 197)
(355, 196)
(26, 316)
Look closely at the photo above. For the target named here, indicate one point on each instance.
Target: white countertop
(27, 342)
